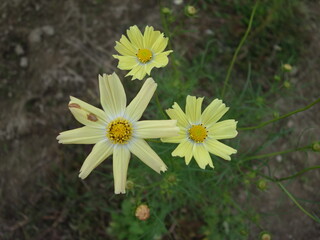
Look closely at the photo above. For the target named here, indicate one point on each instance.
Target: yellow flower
(116, 129)
(199, 133)
(141, 53)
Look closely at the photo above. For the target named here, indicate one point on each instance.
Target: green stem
(290, 177)
(296, 202)
(159, 104)
(277, 153)
(297, 174)
(281, 117)
(238, 49)
(244, 212)
(169, 35)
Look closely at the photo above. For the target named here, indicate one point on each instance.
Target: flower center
(198, 133)
(144, 55)
(119, 131)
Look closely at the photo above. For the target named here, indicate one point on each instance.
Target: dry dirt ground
(52, 49)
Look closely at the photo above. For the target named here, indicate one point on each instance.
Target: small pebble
(35, 35)
(177, 2)
(24, 62)
(290, 123)
(279, 158)
(209, 32)
(48, 30)
(277, 48)
(19, 50)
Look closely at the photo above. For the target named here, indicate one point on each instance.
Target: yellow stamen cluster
(119, 131)
(144, 55)
(198, 133)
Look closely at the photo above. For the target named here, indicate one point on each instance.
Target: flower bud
(165, 10)
(260, 101)
(142, 212)
(277, 78)
(287, 84)
(172, 178)
(262, 184)
(190, 10)
(129, 185)
(276, 114)
(252, 174)
(316, 147)
(246, 182)
(287, 67)
(244, 232)
(265, 236)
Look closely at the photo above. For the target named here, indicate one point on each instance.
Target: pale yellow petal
(144, 152)
(176, 113)
(124, 47)
(177, 139)
(193, 109)
(87, 114)
(213, 112)
(219, 149)
(183, 148)
(112, 96)
(83, 135)
(122, 50)
(223, 130)
(149, 37)
(147, 68)
(99, 153)
(135, 36)
(160, 60)
(202, 156)
(141, 73)
(121, 157)
(126, 62)
(156, 128)
(138, 72)
(137, 106)
(189, 155)
(160, 44)
(126, 43)
(166, 53)
(134, 70)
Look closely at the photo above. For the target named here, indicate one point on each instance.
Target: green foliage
(187, 202)
(210, 198)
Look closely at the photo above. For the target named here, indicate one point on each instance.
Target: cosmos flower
(116, 129)
(199, 133)
(140, 53)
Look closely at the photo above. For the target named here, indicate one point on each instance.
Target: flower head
(140, 53)
(116, 129)
(142, 212)
(199, 133)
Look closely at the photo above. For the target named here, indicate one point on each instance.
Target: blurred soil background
(52, 49)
